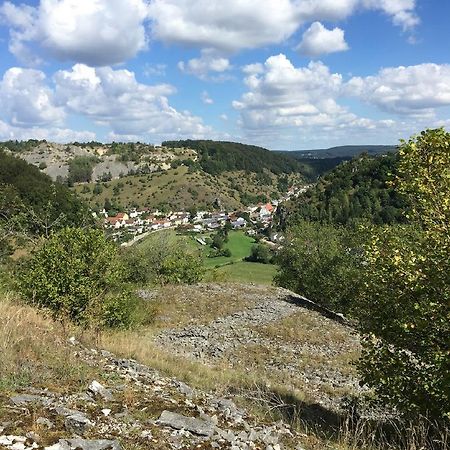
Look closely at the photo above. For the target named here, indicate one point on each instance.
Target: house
(122, 216)
(239, 223)
(114, 222)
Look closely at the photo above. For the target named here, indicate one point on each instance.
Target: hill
(343, 151)
(219, 156)
(355, 189)
(182, 189)
(43, 202)
(179, 174)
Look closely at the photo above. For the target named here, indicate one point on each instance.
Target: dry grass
(33, 351)
(180, 306)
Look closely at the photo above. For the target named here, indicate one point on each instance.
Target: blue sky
(284, 74)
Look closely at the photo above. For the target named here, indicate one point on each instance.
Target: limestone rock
(180, 422)
(97, 389)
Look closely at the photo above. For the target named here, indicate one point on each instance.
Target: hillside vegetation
(354, 190)
(343, 151)
(31, 202)
(179, 188)
(217, 156)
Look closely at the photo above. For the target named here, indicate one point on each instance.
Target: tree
(321, 262)
(260, 254)
(218, 241)
(405, 309)
(163, 260)
(75, 275)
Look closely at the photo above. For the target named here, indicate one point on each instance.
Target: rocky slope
(139, 408)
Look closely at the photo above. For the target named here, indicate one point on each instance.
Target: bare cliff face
(54, 158)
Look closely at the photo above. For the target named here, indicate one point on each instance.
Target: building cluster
(139, 221)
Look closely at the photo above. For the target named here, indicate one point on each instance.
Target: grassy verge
(33, 351)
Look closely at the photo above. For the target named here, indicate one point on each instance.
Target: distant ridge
(343, 151)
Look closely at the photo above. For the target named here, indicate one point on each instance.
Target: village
(129, 226)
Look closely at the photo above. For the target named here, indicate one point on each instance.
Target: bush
(163, 260)
(260, 254)
(75, 275)
(323, 263)
(405, 311)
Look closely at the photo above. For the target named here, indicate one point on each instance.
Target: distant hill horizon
(341, 151)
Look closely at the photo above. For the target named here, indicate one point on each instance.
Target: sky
(282, 74)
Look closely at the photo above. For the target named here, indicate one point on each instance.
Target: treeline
(216, 157)
(354, 190)
(21, 146)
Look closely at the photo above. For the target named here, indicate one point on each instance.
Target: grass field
(231, 268)
(239, 244)
(248, 272)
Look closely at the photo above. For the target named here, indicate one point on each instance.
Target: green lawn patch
(248, 272)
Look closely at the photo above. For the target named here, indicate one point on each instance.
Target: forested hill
(356, 189)
(216, 157)
(23, 187)
(343, 151)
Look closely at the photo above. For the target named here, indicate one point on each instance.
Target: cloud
(246, 24)
(113, 98)
(284, 95)
(206, 99)
(255, 68)
(26, 100)
(208, 62)
(401, 11)
(94, 32)
(106, 32)
(318, 40)
(156, 70)
(307, 103)
(63, 135)
(405, 90)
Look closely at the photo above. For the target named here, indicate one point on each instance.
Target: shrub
(323, 263)
(405, 313)
(260, 254)
(163, 260)
(74, 275)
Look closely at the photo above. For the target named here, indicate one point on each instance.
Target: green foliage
(405, 306)
(354, 190)
(181, 267)
(321, 262)
(80, 169)
(72, 274)
(163, 260)
(260, 254)
(21, 146)
(216, 157)
(33, 202)
(218, 241)
(119, 310)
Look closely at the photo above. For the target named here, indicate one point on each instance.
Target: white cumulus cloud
(307, 103)
(209, 62)
(318, 40)
(26, 100)
(114, 98)
(405, 90)
(234, 25)
(94, 32)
